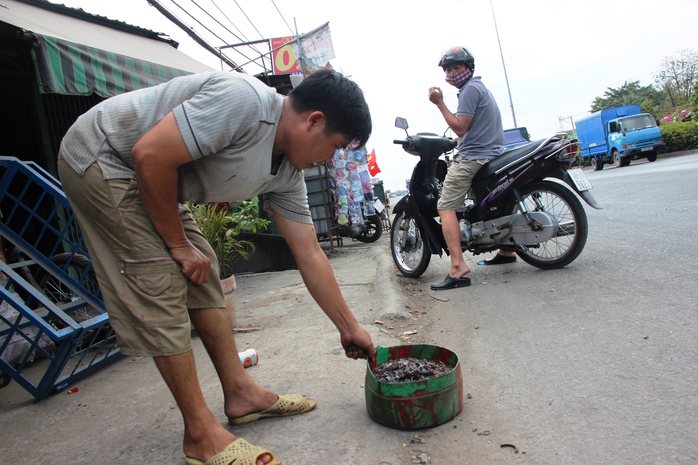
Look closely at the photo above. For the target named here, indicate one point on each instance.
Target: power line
(231, 32)
(207, 28)
(248, 19)
(218, 50)
(282, 17)
(255, 28)
(230, 21)
(546, 130)
(169, 15)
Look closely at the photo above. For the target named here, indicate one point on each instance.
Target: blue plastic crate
(54, 329)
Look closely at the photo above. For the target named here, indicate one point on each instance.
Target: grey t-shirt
(485, 136)
(228, 122)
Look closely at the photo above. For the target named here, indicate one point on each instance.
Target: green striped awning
(68, 68)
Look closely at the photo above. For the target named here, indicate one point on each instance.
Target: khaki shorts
(144, 290)
(457, 183)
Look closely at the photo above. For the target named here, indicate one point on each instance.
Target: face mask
(458, 79)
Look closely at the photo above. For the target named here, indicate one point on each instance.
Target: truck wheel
(596, 164)
(626, 161)
(652, 157)
(617, 160)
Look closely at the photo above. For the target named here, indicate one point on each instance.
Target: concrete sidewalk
(124, 414)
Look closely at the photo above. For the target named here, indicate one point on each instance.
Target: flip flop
(285, 406)
(497, 260)
(451, 283)
(239, 452)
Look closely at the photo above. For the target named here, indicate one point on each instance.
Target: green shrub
(222, 223)
(680, 136)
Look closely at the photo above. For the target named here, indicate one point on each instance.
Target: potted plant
(221, 223)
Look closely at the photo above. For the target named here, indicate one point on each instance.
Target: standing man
(478, 125)
(127, 167)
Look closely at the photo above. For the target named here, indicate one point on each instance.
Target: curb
(392, 296)
(387, 300)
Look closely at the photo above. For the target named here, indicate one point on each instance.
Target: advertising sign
(316, 52)
(284, 59)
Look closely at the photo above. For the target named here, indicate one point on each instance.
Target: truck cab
(633, 137)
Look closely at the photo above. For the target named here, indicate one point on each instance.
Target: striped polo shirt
(228, 121)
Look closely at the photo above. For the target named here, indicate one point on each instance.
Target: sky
(559, 55)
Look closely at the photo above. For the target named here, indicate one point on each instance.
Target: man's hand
(195, 265)
(436, 96)
(458, 124)
(358, 344)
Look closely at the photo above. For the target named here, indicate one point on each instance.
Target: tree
(694, 98)
(628, 94)
(678, 75)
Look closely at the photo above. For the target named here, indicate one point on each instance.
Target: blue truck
(618, 135)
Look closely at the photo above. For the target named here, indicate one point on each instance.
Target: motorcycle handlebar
(426, 144)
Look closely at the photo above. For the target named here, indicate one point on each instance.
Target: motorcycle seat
(506, 158)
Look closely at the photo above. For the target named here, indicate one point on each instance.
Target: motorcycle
(517, 206)
(367, 231)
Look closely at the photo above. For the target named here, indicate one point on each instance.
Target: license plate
(646, 149)
(580, 179)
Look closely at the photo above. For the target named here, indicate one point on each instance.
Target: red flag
(372, 165)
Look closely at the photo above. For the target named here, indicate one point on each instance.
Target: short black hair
(340, 99)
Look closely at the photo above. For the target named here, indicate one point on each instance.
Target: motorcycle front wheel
(409, 251)
(374, 230)
(568, 212)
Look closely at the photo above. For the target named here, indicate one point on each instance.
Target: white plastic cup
(248, 357)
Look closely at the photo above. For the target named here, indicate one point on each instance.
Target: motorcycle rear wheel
(374, 231)
(573, 228)
(413, 259)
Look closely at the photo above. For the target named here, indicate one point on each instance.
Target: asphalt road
(593, 363)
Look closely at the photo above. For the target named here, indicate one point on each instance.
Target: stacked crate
(65, 338)
(321, 203)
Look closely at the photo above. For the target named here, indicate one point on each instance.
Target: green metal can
(419, 404)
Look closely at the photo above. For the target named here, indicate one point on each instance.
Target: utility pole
(193, 35)
(562, 119)
(511, 104)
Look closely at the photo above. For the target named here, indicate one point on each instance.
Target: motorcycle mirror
(401, 123)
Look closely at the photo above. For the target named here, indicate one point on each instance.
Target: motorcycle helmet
(457, 54)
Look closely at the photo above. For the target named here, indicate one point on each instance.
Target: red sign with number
(283, 57)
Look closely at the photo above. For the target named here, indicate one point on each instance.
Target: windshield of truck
(635, 123)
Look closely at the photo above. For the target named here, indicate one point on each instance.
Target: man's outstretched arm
(320, 280)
